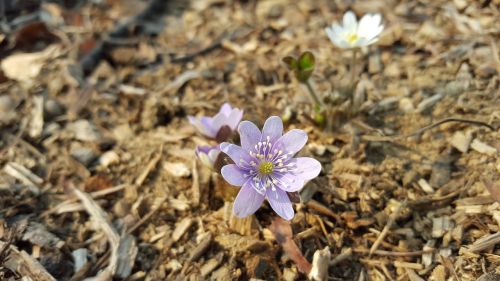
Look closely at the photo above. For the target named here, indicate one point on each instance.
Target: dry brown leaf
(282, 231)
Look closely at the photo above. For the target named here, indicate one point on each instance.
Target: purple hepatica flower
(227, 117)
(265, 168)
(208, 155)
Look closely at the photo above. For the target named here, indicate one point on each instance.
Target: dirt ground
(99, 176)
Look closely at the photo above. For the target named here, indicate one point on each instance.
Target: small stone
(109, 158)
(53, 108)
(461, 141)
(84, 130)
(177, 169)
(84, 155)
(121, 208)
(406, 105)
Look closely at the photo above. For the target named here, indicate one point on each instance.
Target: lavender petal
(249, 135)
(306, 168)
(234, 118)
(280, 203)
(225, 109)
(236, 153)
(273, 127)
(289, 182)
(233, 175)
(292, 141)
(247, 201)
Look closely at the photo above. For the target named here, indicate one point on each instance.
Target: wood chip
(483, 148)
(181, 228)
(202, 246)
(211, 265)
(321, 261)
(22, 262)
(461, 141)
(425, 186)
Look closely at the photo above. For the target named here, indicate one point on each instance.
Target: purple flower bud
(265, 168)
(208, 155)
(216, 127)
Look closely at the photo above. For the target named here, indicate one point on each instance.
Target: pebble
(109, 158)
(177, 169)
(84, 130)
(84, 155)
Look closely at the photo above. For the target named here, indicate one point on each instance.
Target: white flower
(352, 34)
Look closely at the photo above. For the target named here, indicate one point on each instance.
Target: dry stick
(24, 264)
(386, 229)
(99, 216)
(394, 254)
(138, 182)
(433, 125)
(94, 195)
(146, 217)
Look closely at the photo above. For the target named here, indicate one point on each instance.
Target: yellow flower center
(352, 38)
(265, 168)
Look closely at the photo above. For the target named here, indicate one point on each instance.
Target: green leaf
(307, 61)
(290, 62)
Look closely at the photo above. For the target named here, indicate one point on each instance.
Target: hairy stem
(312, 92)
(353, 66)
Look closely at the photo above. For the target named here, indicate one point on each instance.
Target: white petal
(349, 22)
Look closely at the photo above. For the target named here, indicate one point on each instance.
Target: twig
(151, 165)
(393, 254)
(147, 216)
(25, 265)
(386, 229)
(421, 130)
(99, 217)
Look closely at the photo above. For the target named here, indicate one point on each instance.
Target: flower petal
(203, 125)
(273, 127)
(233, 175)
(247, 201)
(279, 201)
(307, 168)
(234, 118)
(289, 182)
(236, 153)
(220, 119)
(349, 22)
(249, 135)
(225, 109)
(370, 27)
(292, 141)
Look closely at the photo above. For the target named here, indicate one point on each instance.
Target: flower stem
(313, 93)
(353, 66)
